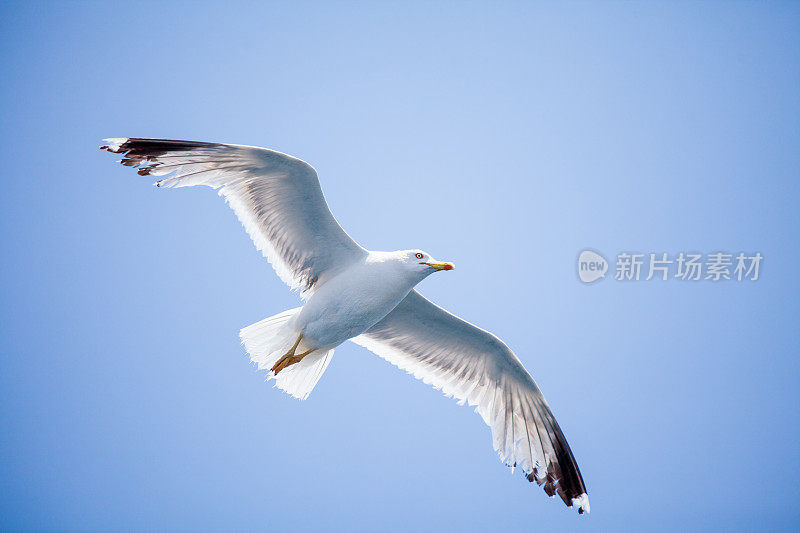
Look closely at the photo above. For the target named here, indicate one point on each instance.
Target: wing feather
(473, 365)
(276, 197)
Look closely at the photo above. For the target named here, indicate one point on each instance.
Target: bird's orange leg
(290, 358)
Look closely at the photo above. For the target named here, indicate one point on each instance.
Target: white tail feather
(268, 340)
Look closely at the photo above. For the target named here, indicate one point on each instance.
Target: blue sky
(504, 137)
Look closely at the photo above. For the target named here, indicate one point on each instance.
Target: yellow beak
(439, 266)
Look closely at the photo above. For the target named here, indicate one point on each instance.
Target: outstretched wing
(473, 365)
(276, 197)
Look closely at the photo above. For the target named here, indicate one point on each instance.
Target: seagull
(368, 297)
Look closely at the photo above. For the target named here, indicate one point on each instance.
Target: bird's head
(422, 262)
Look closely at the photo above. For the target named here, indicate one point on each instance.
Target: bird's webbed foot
(291, 357)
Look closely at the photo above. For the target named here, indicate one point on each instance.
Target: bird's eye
(419, 256)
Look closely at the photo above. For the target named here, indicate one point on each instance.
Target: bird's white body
(356, 299)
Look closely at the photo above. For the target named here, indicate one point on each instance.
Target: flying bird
(351, 293)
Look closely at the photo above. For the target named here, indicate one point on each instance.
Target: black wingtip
(116, 145)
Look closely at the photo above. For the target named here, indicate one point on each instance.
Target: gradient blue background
(503, 137)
